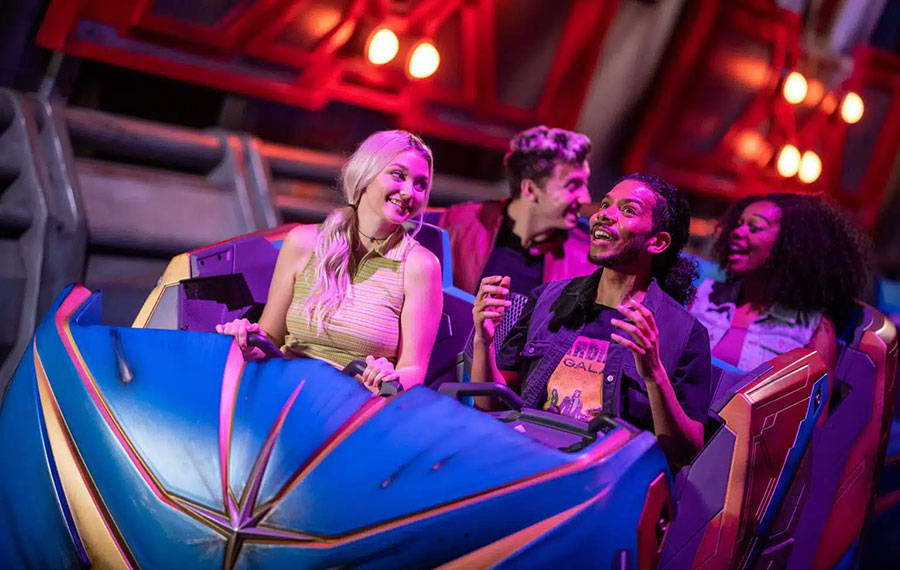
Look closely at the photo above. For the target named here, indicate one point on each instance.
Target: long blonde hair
(339, 237)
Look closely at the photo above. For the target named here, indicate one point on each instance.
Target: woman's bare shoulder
(301, 239)
(421, 264)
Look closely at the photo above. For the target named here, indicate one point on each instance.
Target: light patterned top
(367, 322)
(773, 332)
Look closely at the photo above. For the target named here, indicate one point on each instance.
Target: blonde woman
(358, 287)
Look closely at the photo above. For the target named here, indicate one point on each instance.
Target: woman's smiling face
(400, 190)
(752, 239)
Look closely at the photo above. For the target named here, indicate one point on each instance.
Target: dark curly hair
(819, 262)
(534, 152)
(674, 272)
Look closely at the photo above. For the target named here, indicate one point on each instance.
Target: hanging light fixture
(852, 108)
(810, 167)
(788, 162)
(795, 87)
(382, 46)
(424, 60)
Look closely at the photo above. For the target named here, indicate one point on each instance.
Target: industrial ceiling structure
(741, 102)
(499, 66)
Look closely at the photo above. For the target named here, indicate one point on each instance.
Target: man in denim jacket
(618, 341)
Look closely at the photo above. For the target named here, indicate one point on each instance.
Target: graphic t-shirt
(575, 388)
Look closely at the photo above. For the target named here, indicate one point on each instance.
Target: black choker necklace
(370, 238)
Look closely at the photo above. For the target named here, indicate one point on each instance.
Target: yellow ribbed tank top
(367, 322)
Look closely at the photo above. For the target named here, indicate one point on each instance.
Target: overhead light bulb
(424, 60)
(788, 161)
(852, 108)
(382, 47)
(810, 167)
(795, 87)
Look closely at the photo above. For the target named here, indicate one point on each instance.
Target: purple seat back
(786, 481)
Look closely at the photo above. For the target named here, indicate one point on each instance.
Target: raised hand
(490, 303)
(644, 341)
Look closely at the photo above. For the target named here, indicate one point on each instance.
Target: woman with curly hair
(358, 287)
(794, 267)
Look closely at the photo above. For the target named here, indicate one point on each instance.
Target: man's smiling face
(622, 226)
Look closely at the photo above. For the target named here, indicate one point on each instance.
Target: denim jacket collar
(558, 319)
(583, 290)
(723, 297)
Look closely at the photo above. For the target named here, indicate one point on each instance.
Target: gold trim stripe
(496, 552)
(95, 531)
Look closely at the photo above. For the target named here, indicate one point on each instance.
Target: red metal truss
(767, 121)
(880, 70)
(245, 52)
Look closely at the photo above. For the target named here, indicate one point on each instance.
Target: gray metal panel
(23, 219)
(67, 229)
(230, 175)
(259, 183)
(158, 191)
(147, 209)
(165, 314)
(13, 287)
(124, 139)
(125, 281)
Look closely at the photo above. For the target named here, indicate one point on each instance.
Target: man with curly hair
(534, 236)
(617, 341)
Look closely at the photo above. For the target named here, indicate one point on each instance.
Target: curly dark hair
(674, 272)
(534, 152)
(820, 261)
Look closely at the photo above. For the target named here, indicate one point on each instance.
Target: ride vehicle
(157, 445)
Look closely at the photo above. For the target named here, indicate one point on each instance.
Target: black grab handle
(502, 391)
(357, 367)
(262, 342)
(391, 388)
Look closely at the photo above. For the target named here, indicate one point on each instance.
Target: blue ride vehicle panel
(158, 446)
(147, 448)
